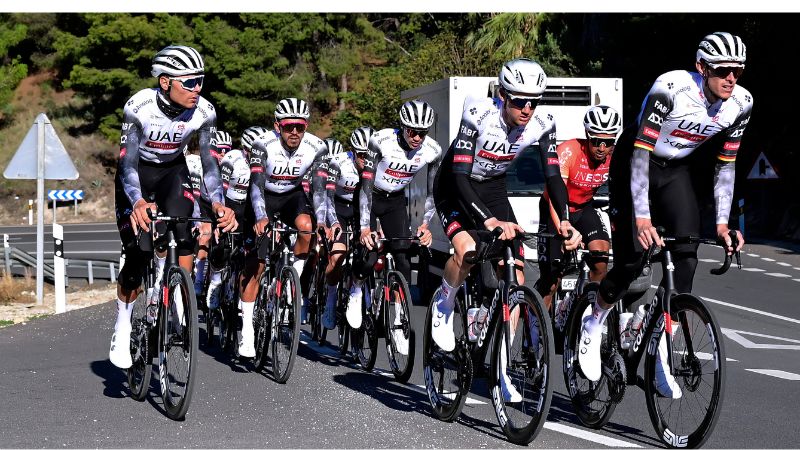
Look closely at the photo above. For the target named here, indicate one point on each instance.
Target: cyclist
(394, 156)
(278, 162)
(344, 176)
(220, 143)
(152, 174)
(470, 187)
(584, 168)
(235, 170)
(650, 179)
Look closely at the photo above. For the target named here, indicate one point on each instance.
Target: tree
(12, 70)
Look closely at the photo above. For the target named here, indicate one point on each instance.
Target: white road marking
(777, 374)
(588, 435)
(744, 308)
(752, 254)
(796, 279)
(753, 269)
(784, 264)
(778, 275)
(708, 260)
(468, 401)
(768, 259)
(737, 336)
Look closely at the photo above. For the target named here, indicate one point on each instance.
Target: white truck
(567, 99)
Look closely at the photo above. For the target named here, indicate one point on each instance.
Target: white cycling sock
(298, 265)
(216, 277)
(200, 272)
(247, 314)
(597, 319)
(124, 311)
(449, 292)
(160, 261)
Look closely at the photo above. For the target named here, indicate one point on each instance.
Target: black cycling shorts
(167, 185)
(454, 215)
(345, 213)
(287, 206)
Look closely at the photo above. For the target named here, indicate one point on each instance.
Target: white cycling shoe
(666, 384)
(353, 313)
(442, 323)
(247, 348)
(589, 348)
(120, 351)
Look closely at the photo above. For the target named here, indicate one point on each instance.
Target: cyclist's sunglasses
(411, 132)
(597, 141)
(190, 84)
(520, 102)
(723, 72)
(292, 127)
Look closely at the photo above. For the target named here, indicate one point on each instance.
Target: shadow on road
(115, 380)
(392, 394)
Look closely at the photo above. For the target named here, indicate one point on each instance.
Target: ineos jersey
(150, 133)
(485, 147)
(581, 174)
(235, 170)
(390, 166)
(675, 119)
(276, 170)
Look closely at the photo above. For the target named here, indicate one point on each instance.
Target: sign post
(40, 156)
(58, 268)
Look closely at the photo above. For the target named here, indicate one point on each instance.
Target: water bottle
(562, 310)
(625, 320)
(472, 314)
(636, 323)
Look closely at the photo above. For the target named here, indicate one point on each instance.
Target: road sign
(62, 194)
(57, 163)
(762, 169)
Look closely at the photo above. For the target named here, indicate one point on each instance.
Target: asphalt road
(59, 389)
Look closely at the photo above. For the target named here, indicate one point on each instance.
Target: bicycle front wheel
(448, 375)
(177, 343)
(397, 323)
(520, 376)
(262, 323)
(698, 362)
(594, 401)
(285, 323)
(140, 372)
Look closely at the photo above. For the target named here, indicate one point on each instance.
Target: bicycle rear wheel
(178, 343)
(400, 339)
(285, 323)
(448, 375)
(592, 400)
(527, 369)
(343, 328)
(140, 372)
(316, 298)
(364, 342)
(698, 360)
(262, 323)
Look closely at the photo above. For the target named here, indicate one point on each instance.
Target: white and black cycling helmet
(177, 61)
(334, 147)
(722, 48)
(523, 76)
(251, 135)
(416, 114)
(292, 108)
(360, 138)
(222, 139)
(602, 119)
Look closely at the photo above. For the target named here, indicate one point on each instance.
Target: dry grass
(14, 289)
(93, 157)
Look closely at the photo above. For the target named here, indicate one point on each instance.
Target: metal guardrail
(16, 261)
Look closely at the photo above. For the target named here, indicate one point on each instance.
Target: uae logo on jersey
(299, 161)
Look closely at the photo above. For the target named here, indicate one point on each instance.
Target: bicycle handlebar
(728, 258)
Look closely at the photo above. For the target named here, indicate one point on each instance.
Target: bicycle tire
(177, 393)
(592, 401)
(140, 371)
(399, 333)
(262, 324)
(364, 343)
(443, 370)
(316, 307)
(701, 380)
(286, 324)
(530, 370)
(343, 327)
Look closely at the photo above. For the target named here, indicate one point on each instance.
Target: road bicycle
(388, 315)
(226, 318)
(318, 290)
(516, 335)
(276, 318)
(696, 357)
(168, 326)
